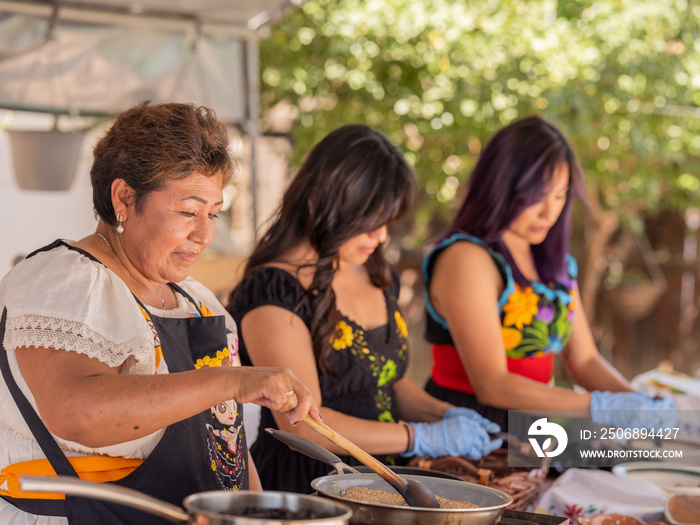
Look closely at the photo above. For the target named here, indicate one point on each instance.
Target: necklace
(138, 286)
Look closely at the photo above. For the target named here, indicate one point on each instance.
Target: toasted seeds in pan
(387, 498)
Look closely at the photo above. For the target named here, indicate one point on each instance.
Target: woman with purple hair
(501, 291)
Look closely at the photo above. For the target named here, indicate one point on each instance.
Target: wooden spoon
(415, 494)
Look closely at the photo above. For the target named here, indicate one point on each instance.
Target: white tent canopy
(102, 56)
(93, 58)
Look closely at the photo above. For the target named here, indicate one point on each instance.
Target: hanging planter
(45, 160)
(639, 289)
(634, 302)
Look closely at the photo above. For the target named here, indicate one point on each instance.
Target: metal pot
(216, 507)
(492, 502)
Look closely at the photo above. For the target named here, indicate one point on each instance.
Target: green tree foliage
(620, 77)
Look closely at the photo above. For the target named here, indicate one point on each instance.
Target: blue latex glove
(633, 410)
(453, 436)
(489, 426)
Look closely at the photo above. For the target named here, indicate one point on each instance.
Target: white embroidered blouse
(64, 300)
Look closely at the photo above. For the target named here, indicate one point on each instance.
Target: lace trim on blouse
(65, 334)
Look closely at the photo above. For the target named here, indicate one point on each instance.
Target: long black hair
(352, 182)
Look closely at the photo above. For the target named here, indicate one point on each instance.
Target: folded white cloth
(586, 493)
(682, 386)
(685, 391)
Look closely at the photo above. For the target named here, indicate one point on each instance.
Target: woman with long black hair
(319, 298)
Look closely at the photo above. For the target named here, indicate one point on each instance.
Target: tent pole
(252, 84)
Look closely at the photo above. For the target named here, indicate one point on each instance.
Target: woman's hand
(277, 389)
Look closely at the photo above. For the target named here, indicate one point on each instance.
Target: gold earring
(120, 219)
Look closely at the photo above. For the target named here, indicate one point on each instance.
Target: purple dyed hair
(511, 174)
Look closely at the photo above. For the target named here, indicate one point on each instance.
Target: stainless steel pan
(216, 507)
(492, 502)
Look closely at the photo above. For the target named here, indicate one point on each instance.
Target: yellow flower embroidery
(572, 304)
(401, 324)
(342, 338)
(224, 357)
(511, 337)
(202, 362)
(521, 307)
(221, 356)
(206, 312)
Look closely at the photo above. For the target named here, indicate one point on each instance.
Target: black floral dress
(367, 362)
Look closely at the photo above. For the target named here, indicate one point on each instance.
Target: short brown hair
(149, 145)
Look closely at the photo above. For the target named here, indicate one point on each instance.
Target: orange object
(100, 469)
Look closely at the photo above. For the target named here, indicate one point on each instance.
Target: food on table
(368, 495)
(612, 519)
(683, 508)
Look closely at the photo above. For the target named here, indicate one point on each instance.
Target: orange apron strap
(90, 468)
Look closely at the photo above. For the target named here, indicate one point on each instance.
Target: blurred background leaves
(621, 79)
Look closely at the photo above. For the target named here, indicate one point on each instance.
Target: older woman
(117, 365)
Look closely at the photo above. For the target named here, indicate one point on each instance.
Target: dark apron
(194, 455)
